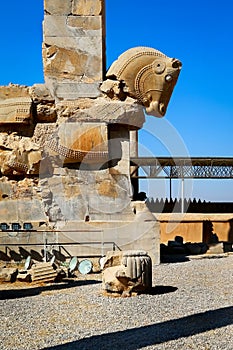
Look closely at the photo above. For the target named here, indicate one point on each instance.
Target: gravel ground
(190, 307)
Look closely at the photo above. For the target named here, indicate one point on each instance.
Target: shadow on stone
(15, 256)
(4, 256)
(24, 253)
(59, 256)
(35, 255)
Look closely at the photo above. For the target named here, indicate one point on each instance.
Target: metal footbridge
(181, 168)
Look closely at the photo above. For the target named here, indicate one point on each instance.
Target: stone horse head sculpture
(148, 76)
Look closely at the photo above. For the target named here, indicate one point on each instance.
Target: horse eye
(159, 67)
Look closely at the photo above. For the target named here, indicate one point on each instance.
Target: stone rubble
(189, 307)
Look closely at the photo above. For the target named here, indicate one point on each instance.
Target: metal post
(182, 195)
(170, 180)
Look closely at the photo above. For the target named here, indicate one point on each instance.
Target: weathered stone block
(118, 112)
(87, 7)
(73, 52)
(72, 91)
(61, 26)
(85, 25)
(55, 26)
(24, 276)
(85, 137)
(15, 110)
(8, 274)
(215, 248)
(13, 91)
(58, 7)
(40, 94)
(89, 45)
(133, 273)
(64, 64)
(81, 142)
(43, 272)
(112, 258)
(22, 210)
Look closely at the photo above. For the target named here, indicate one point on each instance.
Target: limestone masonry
(73, 48)
(65, 145)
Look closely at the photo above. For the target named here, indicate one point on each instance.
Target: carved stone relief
(81, 142)
(145, 74)
(16, 110)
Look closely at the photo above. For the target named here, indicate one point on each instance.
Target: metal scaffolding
(181, 168)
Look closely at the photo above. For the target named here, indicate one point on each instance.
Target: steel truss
(181, 167)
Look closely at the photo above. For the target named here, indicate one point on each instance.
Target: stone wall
(196, 227)
(74, 47)
(65, 145)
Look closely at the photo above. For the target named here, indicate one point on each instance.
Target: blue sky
(198, 33)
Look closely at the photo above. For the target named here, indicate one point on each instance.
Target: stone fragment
(44, 104)
(81, 142)
(15, 110)
(87, 7)
(106, 111)
(57, 7)
(46, 113)
(71, 65)
(8, 274)
(43, 272)
(40, 94)
(216, 248)
(71, 91)
(13, 91)
(112, 258)
(131, 271)
(115, 279)
(84, 25)
(34, 159)
(23, 209)
(21, 157)
(24, 276)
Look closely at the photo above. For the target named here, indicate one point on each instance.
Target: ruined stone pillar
(65, 145)
(73, 48)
